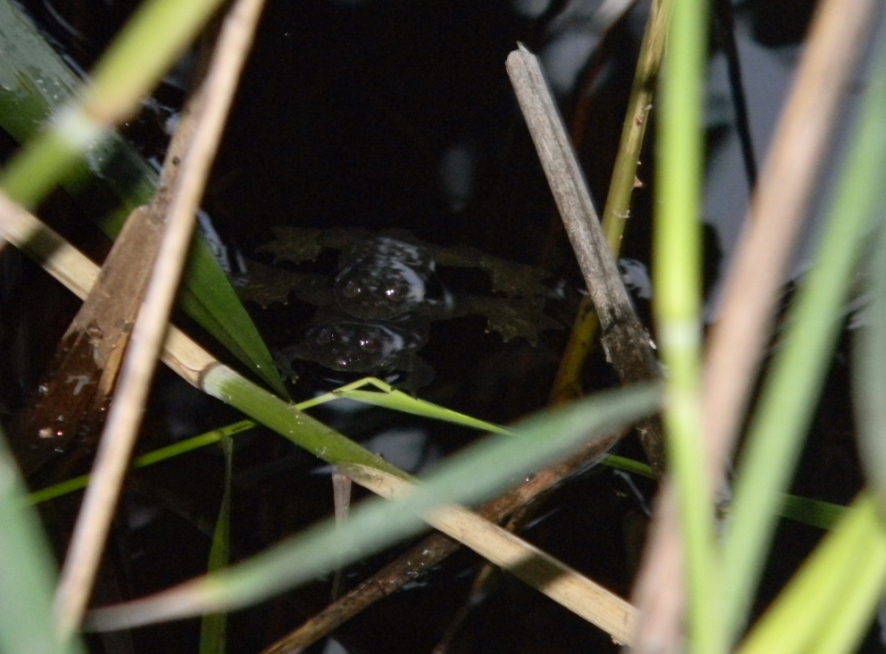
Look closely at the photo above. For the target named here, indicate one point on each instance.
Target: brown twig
(430, 551)
(118, 439)
(618, 200)
(626, 342)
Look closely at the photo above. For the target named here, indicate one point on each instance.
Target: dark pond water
(382, 115)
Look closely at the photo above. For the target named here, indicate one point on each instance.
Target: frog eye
(352, 290)
(369, 345)
(393, 292)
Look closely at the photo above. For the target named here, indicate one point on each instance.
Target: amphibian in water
(383, 278)
(374, 312)
(362, 347)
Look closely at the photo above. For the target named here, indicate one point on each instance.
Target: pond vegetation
(384, 212)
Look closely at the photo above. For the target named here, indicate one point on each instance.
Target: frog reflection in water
(374, 313)
(380, 285)
(362, 347)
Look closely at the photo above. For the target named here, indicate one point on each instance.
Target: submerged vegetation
(706, 594)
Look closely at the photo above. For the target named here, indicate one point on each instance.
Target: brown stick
(151, 324)
(430, 552)
(626, 342)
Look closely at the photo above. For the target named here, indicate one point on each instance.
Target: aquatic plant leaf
(34, 82)
(470, 476)
(27, 569)
(511, 318)
(267, 285)
(508, 277)
(294, 244)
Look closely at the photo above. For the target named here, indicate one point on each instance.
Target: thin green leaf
(210, 299)
(214, 626)
(786, 408)
(131, 67)
(814, 513)
(27, 571)
(470, 476)
(390, 398)
(870, 367)
(828, 605)
(34, 83)
(677, 280)
(288, 420)
(149, 459)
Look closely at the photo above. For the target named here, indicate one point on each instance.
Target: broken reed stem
(618, 201)
(626, 342)
(213, 101)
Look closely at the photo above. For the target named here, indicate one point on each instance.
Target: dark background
(347, 115)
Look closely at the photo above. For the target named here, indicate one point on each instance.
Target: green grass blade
(828, 604)
(470, 476)
(27, 572)
(398, 401)
(870, 366)
(796, 377)
(677, 278)
(35, 83)
(389, 397)
(149, 43)
(288, 420)
(149, 459)
(211, 300)
(814, 513)
(214, 626)
(861, 596)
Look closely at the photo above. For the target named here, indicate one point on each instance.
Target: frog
(339, 343)
(384, 278)
(374, 311)
(296, 245)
